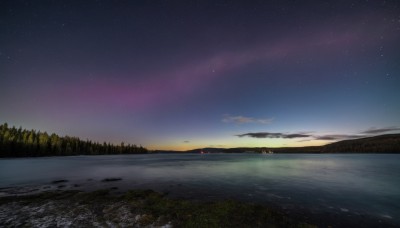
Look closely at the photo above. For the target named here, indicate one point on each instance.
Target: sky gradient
(191, 74)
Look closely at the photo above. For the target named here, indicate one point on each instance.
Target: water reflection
(347, 183)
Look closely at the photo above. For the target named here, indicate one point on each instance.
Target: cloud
(261, 135)
(310, 136)
(380, 130)
(243, 119)
(337, 137)
(186, 141)
(273, 135)
(304, 140)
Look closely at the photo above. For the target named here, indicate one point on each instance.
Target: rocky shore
(137, 208)
(62, 203)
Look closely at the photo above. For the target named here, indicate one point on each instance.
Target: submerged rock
(111, 179)
(59, 181)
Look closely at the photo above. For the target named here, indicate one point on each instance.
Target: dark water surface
(339, 184)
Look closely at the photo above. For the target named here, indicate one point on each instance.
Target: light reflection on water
(354, 182)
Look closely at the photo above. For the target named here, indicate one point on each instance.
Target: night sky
(192, 74)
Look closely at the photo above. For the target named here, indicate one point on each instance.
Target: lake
(363, 185)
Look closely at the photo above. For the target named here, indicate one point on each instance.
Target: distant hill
(310, 149)
(389, 143)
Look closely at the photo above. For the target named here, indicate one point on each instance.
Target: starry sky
(190, 74)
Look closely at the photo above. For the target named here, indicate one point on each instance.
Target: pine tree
(21, 142)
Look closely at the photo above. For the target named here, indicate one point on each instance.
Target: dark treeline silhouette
(389, 143)
(18, 142)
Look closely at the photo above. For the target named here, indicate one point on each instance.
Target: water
(349, 184)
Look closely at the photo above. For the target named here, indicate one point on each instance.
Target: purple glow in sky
(170, 75)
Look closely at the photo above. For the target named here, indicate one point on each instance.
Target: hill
(389, 143)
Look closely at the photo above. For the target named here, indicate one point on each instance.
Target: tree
(21, 142)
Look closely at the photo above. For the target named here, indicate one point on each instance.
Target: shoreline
(138, 208)
(205, 154)
(148, 208)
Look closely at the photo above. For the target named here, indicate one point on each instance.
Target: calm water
(342, 184)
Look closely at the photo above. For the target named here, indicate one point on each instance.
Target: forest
(18, 142)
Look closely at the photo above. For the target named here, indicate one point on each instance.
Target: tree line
(18, 142)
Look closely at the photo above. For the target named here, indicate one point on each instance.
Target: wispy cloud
(310, 137)
(337, 137)
(186, 141)
(242, 119)
(333, 137)
(273, 135)
(304, 140)
(380, 130)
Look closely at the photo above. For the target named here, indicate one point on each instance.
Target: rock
(111, 179)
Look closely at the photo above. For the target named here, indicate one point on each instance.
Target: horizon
(188, 75)
(198, 148)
